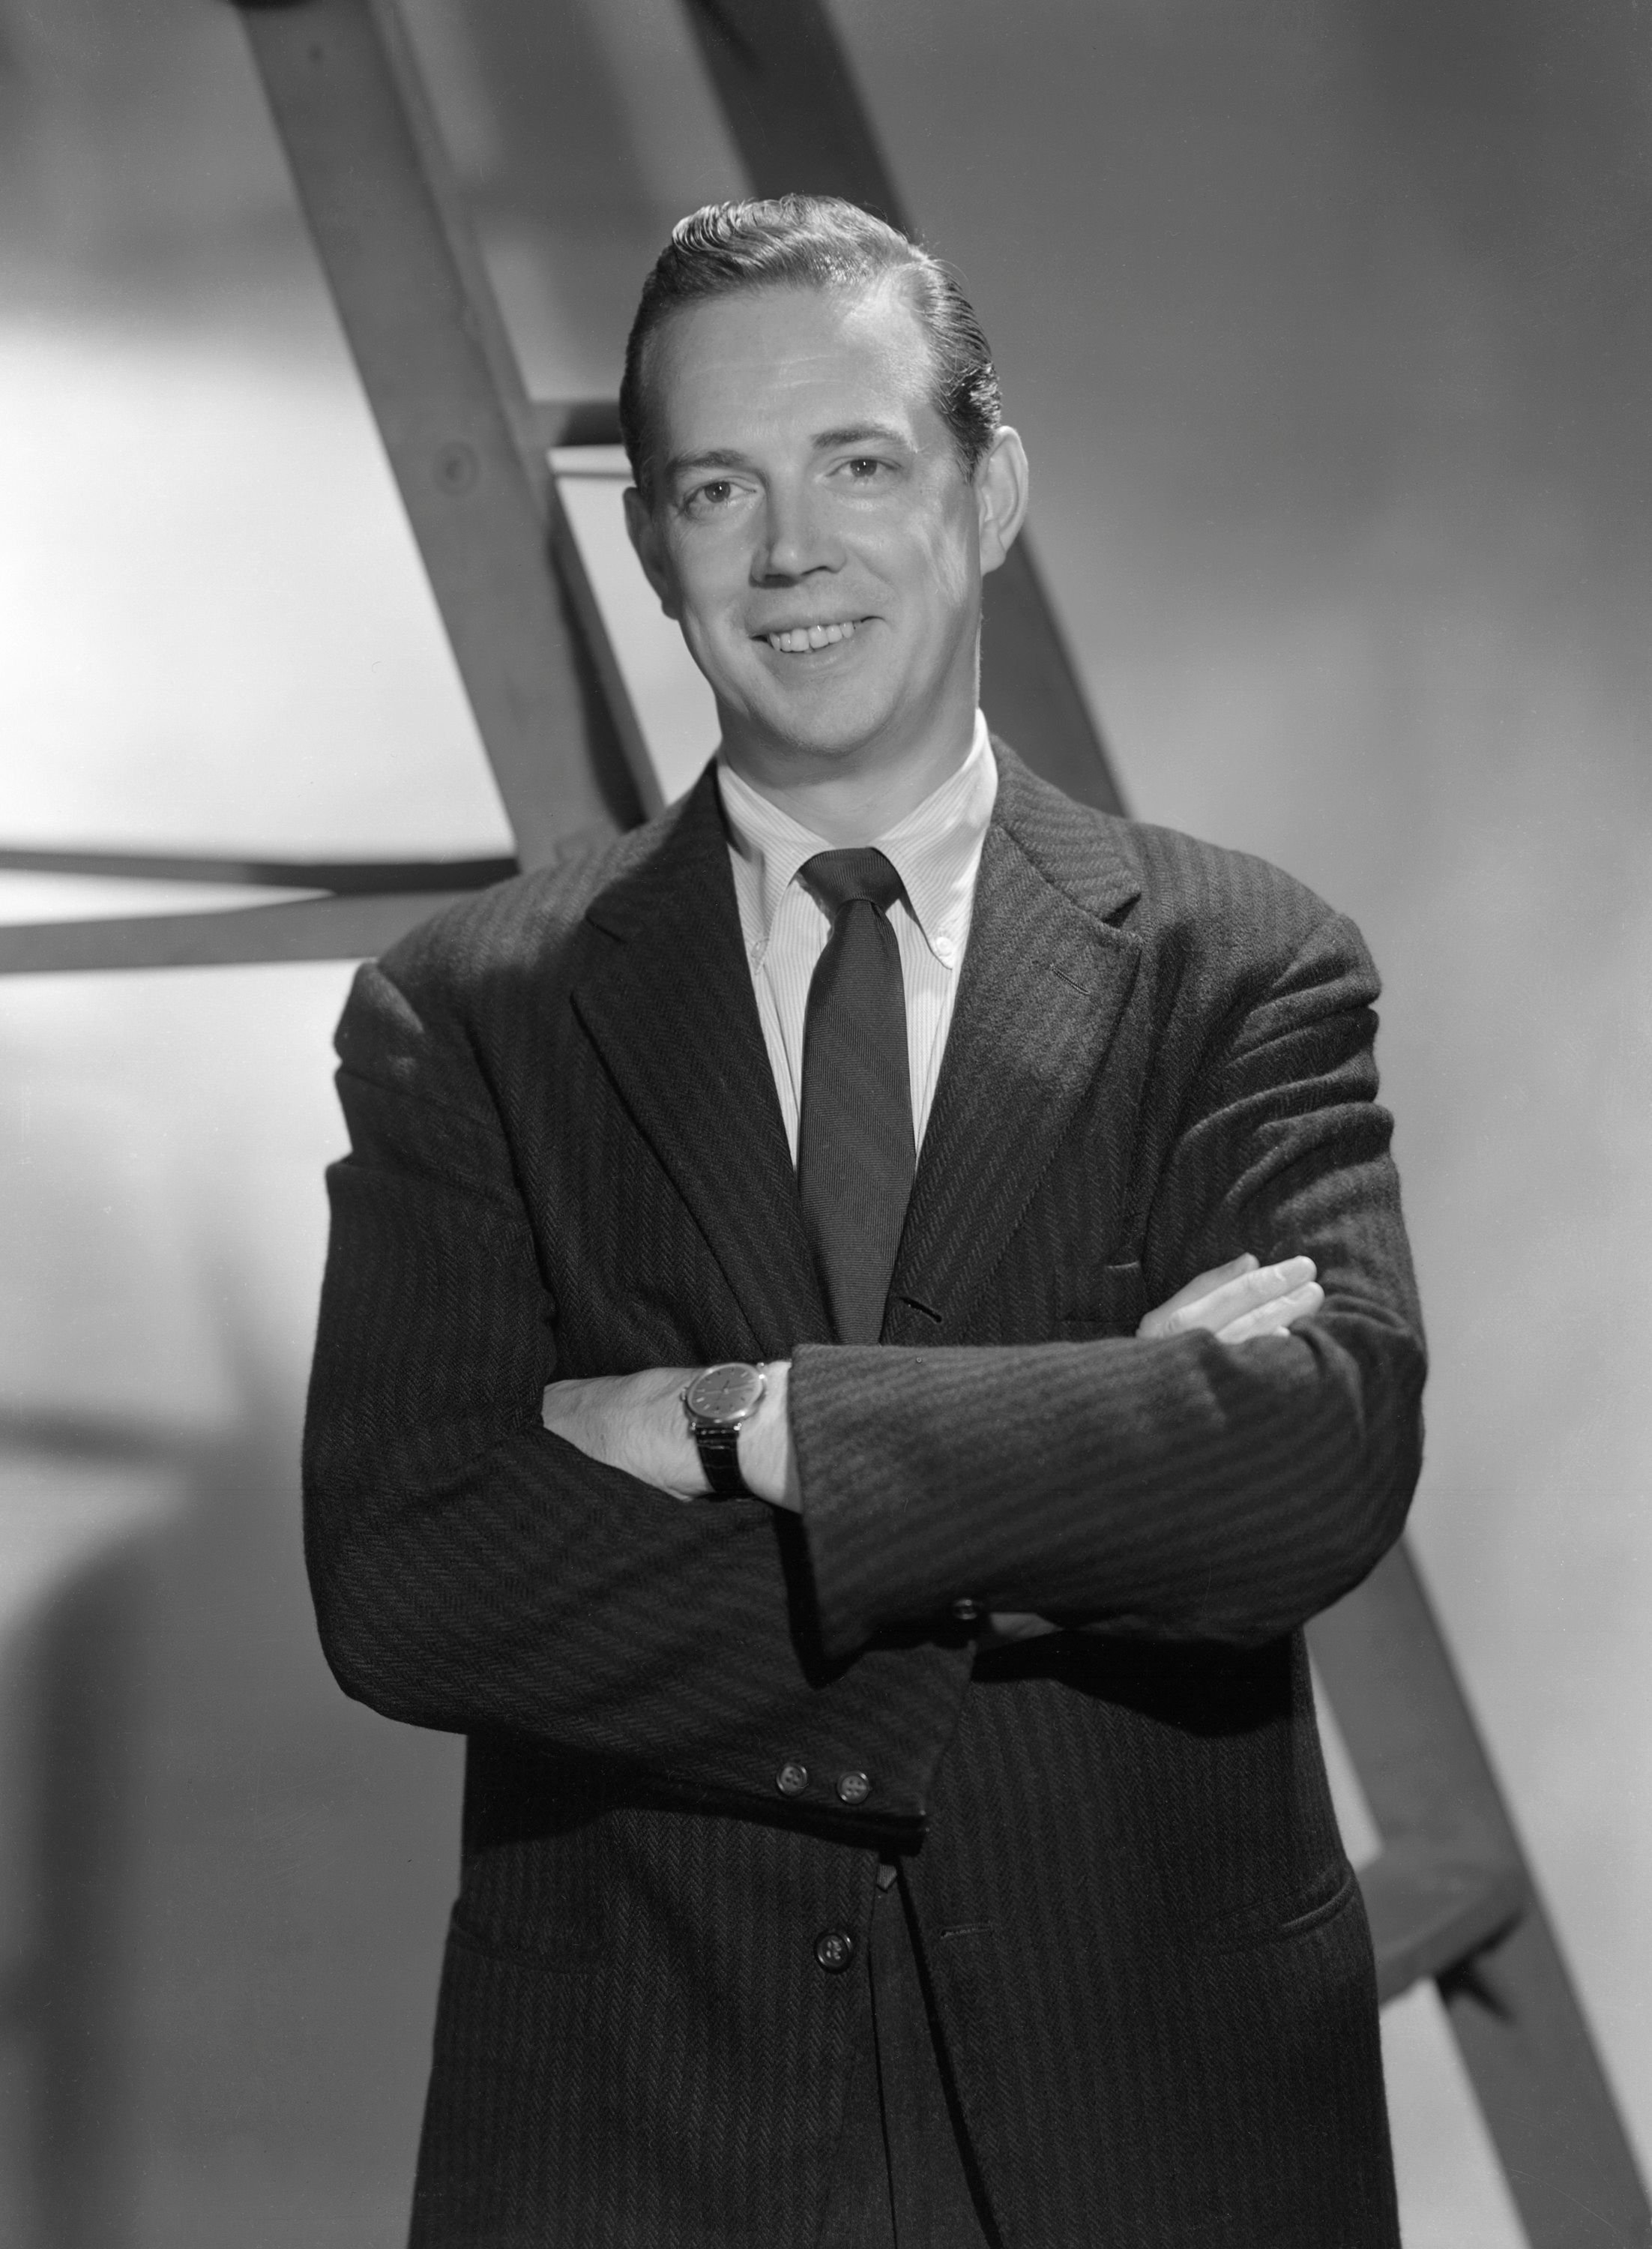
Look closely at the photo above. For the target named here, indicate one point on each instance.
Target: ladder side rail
(798, 121)
(605, 697)
(605, 665)
(1436, 1798)
(484, 316)
(431, 350)
(547, 425)
(1543, 2090)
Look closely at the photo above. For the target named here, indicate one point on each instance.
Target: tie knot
(836, 877)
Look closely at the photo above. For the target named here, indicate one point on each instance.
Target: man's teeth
(805, 637)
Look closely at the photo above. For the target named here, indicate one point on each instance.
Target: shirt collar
(936, 850)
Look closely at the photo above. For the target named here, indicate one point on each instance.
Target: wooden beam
(791, 103)
(1431, 1908)
(548, 422)
(305, 929)
(445, 391)
(1436, 1803)
(353, 877)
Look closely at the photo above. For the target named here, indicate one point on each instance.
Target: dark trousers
(904, 2177)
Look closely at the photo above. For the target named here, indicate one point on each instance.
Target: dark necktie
(855, 1156)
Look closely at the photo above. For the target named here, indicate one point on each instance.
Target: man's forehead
(812, 360)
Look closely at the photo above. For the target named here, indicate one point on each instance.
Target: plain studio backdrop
(1327, 325)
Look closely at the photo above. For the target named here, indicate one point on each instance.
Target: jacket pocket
(535, 1903)
(1244, 1931)
(1109, 1301)
(558, 1951)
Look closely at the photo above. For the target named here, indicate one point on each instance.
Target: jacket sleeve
(1181, 1489)
(471, 1571)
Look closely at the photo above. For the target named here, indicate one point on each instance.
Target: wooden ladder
(1450, 1895)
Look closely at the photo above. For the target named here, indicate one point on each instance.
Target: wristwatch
(719, 1401)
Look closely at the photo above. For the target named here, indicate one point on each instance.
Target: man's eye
(713, 494)
(863, 470)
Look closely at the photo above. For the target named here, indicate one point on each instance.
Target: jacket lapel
(1046, 979)
(672, 1013)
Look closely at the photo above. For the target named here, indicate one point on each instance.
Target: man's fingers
(1275, 1317)
(1202, 1284)
(1213, 1308)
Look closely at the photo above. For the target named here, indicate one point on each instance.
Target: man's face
(812, 527)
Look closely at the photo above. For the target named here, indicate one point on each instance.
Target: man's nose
(797, 536)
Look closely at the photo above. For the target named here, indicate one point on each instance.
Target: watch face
(725, 1393)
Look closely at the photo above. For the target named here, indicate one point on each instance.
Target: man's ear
(1001, 483)
(650, 548)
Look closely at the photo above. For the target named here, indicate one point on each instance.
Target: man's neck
(859, 797)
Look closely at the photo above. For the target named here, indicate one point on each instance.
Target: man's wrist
(765, 1442)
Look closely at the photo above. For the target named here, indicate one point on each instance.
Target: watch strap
(719, 1452)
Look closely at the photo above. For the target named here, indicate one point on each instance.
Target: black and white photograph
(825, 1125)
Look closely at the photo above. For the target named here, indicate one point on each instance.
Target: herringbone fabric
(1147, 1955)
(855, 1154)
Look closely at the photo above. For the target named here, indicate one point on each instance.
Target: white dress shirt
(936, 852)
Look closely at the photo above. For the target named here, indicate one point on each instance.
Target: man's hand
(1236, 1303)
(630, 1422)
(635, 1422)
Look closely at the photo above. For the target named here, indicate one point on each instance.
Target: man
(927, 1844)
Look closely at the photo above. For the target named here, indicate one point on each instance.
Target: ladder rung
(1431, 1906)
(547, 423)
(303, 928)
(338, 877)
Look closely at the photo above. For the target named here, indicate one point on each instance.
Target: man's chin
(829, 727)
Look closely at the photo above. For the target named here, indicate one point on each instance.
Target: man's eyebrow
(719, 456)
(824, 441)
(859, 433)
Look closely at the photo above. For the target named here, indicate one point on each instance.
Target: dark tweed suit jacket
(1148, 1954)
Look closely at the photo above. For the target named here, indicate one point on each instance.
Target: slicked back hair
(812, 242)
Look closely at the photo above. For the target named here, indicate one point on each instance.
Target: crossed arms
(634, 1422)
(488, 1554)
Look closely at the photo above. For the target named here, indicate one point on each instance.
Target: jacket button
(792, 1777)
(835, 1949)
(966, 1610)
(855, 1788)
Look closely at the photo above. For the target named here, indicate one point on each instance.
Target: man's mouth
(799, 639)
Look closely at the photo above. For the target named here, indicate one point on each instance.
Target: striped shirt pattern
(936, 852)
